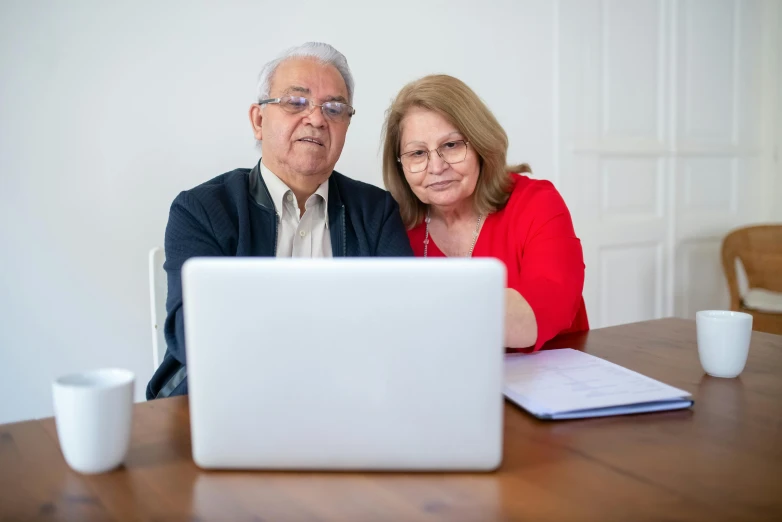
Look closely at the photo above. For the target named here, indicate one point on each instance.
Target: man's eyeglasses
(332, 110)
(451, 152)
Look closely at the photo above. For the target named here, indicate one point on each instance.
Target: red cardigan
(533, 235)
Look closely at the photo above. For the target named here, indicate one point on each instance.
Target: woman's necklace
(474, 236)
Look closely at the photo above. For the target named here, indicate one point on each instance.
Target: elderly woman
(444, 163)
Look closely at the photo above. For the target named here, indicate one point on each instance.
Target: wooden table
(722, 460)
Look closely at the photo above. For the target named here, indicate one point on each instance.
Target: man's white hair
(322, 52)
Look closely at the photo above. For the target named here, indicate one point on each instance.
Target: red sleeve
(552, 264)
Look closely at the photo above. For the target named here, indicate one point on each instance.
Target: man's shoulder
(231, 181)
(229, 184)
(353, 190)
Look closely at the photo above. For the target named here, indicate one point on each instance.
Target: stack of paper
(569, 384)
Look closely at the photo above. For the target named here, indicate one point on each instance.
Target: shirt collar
(278, 189)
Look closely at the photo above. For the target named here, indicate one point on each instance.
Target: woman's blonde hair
(454, 100)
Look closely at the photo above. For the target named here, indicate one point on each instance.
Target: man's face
(303, 144)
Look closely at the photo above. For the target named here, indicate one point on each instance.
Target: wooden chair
(759, 250)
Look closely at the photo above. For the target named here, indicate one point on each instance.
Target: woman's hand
(521, 328)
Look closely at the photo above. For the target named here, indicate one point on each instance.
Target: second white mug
(723, 341)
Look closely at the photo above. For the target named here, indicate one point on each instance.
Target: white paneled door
(661, 145)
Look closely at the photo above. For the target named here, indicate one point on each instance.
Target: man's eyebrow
(297, 89)
(336, 99)
(303, 90)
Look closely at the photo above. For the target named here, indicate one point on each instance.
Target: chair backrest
(759, 248)
(158, 289)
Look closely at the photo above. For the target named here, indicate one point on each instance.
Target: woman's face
(439, 182)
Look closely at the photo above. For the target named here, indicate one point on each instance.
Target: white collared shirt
(305, 236)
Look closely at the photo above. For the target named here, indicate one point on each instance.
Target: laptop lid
(360, 364)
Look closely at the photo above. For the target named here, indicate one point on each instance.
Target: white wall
(775, 87)
(108, 111)
(772, 100)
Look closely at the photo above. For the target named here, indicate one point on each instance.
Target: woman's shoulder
(530, 194)
(524, 184)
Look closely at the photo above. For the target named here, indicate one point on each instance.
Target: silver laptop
(345, 364)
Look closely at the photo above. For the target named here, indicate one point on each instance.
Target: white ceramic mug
(723, 341)
(93, 412)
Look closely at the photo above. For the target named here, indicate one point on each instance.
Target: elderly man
(292, 203)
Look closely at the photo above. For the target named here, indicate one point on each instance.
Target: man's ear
(256, 118)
